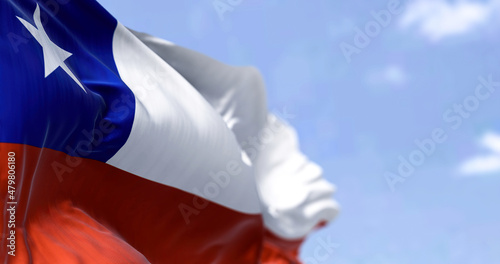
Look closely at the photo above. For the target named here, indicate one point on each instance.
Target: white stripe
(295, 196)
(177, 138)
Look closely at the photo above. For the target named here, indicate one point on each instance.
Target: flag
(119, 147)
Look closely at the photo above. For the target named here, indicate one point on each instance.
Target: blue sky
(356, 118)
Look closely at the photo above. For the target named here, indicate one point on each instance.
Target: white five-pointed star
(53, 55)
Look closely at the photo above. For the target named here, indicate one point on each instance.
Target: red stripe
(280, 251)
(100, 214)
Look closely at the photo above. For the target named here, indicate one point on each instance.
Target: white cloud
(392, 74)
(486, 163)
(492, 141)
(437, 19)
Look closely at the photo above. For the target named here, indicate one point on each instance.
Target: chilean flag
(119, 147)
